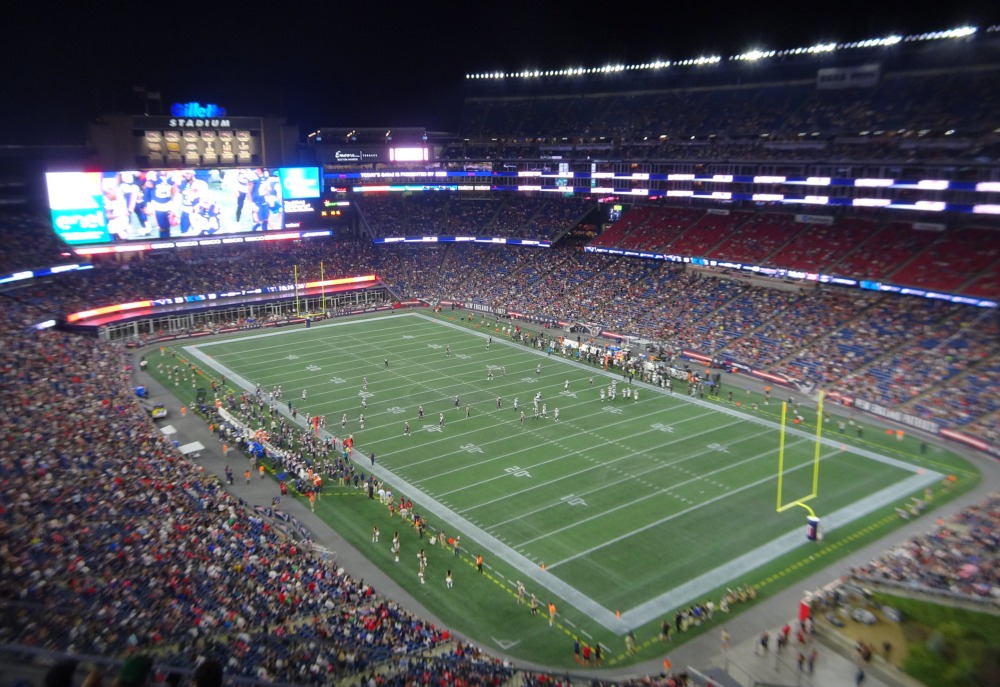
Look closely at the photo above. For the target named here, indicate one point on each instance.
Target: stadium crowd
(906, 116)
(27, 242)
(930, 358)
(960, 557)
(762, 147)
(452, 214)
(112, 543)
(128, 546)
(964, 260)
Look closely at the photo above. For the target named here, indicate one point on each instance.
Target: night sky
(376, 64)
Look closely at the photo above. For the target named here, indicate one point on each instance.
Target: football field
(624, 509)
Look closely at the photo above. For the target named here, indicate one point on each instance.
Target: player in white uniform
(116, 211)
(135, 202)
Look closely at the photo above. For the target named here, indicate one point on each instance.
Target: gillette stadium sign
(196, 110)
(194, 115)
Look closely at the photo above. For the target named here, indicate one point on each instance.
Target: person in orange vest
(552, 613)
(318, 483)
(312, 501)
(261, 471)
(247, 476)
(479, 562)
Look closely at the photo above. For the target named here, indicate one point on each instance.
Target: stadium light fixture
(822, 47)
(750, 56)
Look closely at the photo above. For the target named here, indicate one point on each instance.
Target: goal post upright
(819, 442)
(781, 453)
(812, 520)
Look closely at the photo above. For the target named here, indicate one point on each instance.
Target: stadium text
(198, 123)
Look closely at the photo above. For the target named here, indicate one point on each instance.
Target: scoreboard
(105, 207)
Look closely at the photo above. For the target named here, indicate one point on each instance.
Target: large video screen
(147, 205)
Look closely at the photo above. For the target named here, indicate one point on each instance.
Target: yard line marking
(715, 407)
(550, 582)
(696, 588)
(656, 523)
(659, 522)
(598, 466)
(626, 478)
(513, 419)
(533, 448)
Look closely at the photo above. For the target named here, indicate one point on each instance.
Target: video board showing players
(149, 205)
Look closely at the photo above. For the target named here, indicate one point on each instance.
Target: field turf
(619, 513)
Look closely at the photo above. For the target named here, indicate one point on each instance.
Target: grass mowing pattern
(622, 501)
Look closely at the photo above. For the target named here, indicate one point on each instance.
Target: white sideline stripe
(294, 383)
(529, 569)
(285, 332)
(657, 523)
(695, 589)
(825, 440)
(658, 492)
(337, 355)
(677, 597)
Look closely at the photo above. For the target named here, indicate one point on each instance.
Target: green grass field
(619, 512)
